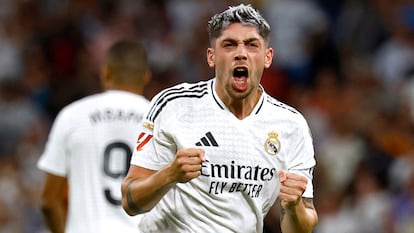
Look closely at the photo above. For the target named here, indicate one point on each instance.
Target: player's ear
(268, 57)
(210, 57)
(106, 76)
(147, 77)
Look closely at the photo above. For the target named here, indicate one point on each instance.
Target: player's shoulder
(114, 97)
(278, 105)
(184, 90)
(107, 98)
(181, 95)
(284, 110)
(82, 102)
(278, 110)
(73, 111)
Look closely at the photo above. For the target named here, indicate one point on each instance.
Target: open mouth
(240, 72)
(240, 79)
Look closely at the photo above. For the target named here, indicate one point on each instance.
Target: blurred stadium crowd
(347, 65)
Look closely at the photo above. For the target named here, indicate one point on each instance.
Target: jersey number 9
(124, 150)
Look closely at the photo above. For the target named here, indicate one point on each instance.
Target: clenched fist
(187, 164)
(292, 188)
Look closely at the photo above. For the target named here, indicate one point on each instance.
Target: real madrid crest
(272, 143)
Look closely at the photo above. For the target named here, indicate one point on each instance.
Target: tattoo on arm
(131, 205)
(282, 212)
(307, 202)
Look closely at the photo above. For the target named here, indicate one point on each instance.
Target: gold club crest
(272, 143)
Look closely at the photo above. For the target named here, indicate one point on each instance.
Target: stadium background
(347, 65)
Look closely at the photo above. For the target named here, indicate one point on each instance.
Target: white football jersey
(239, 181)
(91, 143)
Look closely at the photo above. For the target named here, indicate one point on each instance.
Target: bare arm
(301, 218)
(142, 188)
(298, 215)
(54, 202)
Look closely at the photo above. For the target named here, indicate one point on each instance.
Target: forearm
(301, 218)
(55, 217)
(141, 195)
(142, 189)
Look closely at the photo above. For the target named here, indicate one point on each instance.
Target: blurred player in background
(90, 147)
(214, 156)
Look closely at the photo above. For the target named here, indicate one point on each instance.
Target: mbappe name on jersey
(110, 115)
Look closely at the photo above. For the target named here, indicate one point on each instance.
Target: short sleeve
(303, 161)
(54, 158)
(155, 147)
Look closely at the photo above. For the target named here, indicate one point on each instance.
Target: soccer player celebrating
(215, 155)
(90, 146)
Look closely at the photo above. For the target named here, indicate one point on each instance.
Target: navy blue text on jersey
(241, 178)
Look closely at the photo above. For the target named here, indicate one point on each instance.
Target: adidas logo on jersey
(207, 140)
